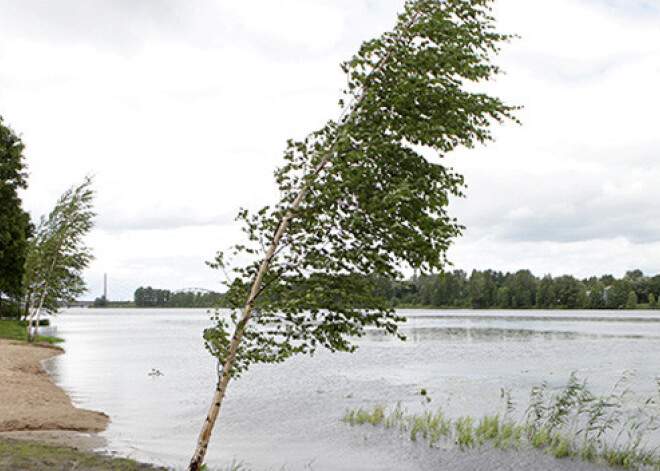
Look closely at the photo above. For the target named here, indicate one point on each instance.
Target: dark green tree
(150, 297)
(654, 286)
(15, 225)
(359, 198)
(639, 284)
(481, 290)
(503, 297)
(607, 280)
(450, 289)
(616, 296)
(522, 289)
(545, 293)
(100, 302)
(597, 298)
(569, 292)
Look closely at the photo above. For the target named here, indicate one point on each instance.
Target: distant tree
(631, 300)
(596, 298)
(15, 226)
(358, 198)
(568, 291)
(634, 274)
(429, 287)
(654, 287)
(607, 280)
(639, 284)
(150, 297)
(57, 255)
(651, 300)
(545, 293)
(450, 289)
(522, 289)
(503, 297)
(481, 289)
(100, 302)
(617, 294)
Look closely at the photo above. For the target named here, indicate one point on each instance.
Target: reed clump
(568, 422)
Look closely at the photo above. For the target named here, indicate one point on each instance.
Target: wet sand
(32, 407)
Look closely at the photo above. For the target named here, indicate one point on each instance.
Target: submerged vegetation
(571, 422)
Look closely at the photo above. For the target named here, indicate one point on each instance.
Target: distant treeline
(488, 289)
(151, 297)
(522, 290)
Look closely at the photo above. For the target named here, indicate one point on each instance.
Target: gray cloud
(107, 23)
(637, 9)
(575, 209)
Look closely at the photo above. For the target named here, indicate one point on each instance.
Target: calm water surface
(290, 414)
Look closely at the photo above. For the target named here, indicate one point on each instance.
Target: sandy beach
(32, 407)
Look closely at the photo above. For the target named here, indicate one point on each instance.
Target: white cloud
(314, 25)
(182, 110)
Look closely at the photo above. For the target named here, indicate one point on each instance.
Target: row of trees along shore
(490, 289)
(152, 297)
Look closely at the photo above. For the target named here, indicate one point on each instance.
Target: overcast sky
(182, 109)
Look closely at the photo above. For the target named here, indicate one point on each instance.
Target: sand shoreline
(32, 407)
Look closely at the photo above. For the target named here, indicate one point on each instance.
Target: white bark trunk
(205, 434)
(225, 375)
(35, 317)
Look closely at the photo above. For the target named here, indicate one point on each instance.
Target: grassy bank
(33, 456)
(17, 454)
(15, 329)
(571, 422)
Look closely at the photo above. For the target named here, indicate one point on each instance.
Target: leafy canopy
(14, 221)
(57, 253)
(360, 197)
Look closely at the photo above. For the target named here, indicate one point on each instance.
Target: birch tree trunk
(36, 313)
(414, 113)
(225, 376)
(36, 317)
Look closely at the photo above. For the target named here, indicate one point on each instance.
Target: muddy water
(289, 414)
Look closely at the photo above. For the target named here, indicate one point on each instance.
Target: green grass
(34, 456)
(15, 329)
(17, 454)
(569, 422)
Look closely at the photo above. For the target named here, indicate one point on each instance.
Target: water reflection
(477, 334)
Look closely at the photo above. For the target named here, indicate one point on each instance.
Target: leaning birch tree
(57, 254)
(360, 198)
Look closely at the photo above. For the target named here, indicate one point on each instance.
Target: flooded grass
(569, 422)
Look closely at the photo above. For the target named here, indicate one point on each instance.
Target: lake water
(290, 414)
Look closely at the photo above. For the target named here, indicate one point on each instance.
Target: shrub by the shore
(15, 329)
